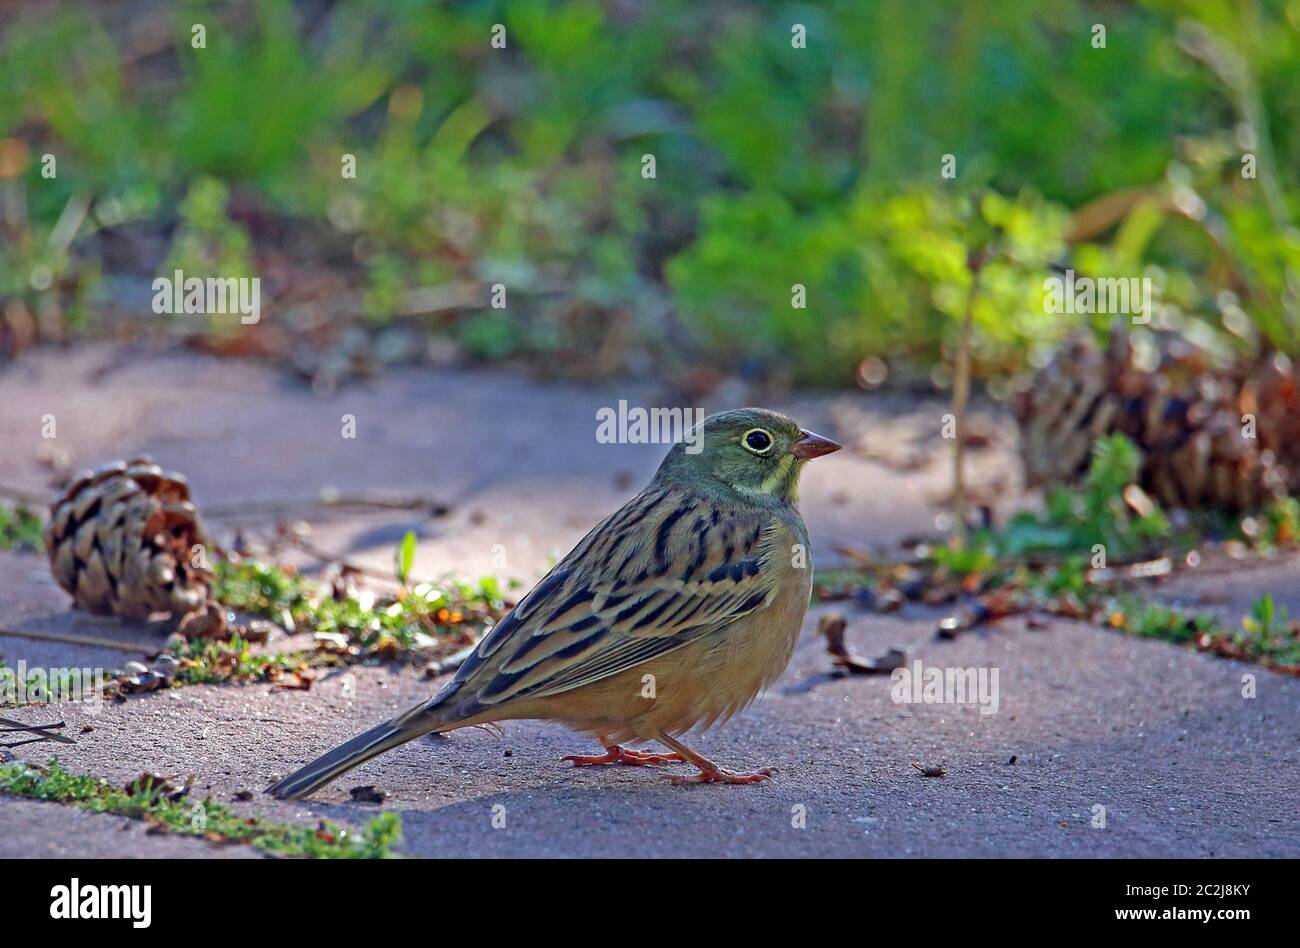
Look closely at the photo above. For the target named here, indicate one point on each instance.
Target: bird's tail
(390, 734)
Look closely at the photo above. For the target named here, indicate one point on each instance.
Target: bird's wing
(662, 571)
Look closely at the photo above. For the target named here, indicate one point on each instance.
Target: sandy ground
(1158, 736)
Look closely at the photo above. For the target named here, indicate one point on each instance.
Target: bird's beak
(811, 446)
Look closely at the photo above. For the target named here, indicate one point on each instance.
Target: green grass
(1155, 620)
(1270, 633)
(1266, 634)
(416, 618)
(159, 807)
(20, 529)
(212, 661)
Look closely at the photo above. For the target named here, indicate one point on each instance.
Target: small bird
(672, 614)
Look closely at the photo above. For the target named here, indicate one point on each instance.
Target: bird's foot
(718, 775)
(617, 754)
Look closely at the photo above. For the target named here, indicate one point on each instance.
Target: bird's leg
(709, 771)
(617, 754)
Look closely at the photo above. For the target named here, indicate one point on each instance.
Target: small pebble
(889, 600)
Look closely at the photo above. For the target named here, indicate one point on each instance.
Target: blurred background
(1171, 152)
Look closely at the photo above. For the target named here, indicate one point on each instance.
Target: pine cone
(1184, 413)
(121, 540)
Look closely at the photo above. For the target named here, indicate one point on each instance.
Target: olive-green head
(752, 451)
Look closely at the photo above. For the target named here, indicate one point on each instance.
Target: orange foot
(617, 754)
(718, 775)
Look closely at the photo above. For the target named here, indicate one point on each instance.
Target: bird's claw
(622, 755)
(723, 776)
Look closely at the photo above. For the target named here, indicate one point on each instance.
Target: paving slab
(1121, 746)
(1160, 737)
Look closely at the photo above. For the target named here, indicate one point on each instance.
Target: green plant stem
(960, 398)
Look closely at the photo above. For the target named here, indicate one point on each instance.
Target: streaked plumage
(671, 614)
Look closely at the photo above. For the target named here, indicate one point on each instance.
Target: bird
(670, 615)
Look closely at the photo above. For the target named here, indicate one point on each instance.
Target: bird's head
(754, 452)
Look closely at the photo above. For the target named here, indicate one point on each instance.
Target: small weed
(211, 661)
(1156, 620)
(1101, 512)
(404, 556)
(1276, 527)
(20, 529)
(414, 619)
(1268, 632)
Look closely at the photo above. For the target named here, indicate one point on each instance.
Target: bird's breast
(706, 681)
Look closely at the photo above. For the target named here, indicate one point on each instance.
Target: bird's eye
(757, 440)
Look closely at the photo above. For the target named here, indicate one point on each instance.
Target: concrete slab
(1159, 736)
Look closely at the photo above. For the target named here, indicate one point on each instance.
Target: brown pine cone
(1184, 413)
(122, 540)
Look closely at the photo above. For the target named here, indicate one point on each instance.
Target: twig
(87, 640)
(28, 727)
(451, 663)
(961, 395)
(42, 730)
(328, 501)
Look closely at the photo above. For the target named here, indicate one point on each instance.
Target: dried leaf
(369, 794)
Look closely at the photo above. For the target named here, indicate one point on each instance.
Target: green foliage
(20, 529)
(216, 661)
(1069, 577)
(404, 556)
(965, 560)
(1160, 621)
(1075, 521)
(1267, 633)
(207, 241)
(776, 165)
(165, 811)
(1268, 630)
(1277, 526)
(413, 620)
(254, 102)
(1265, 619)
(884, 275)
